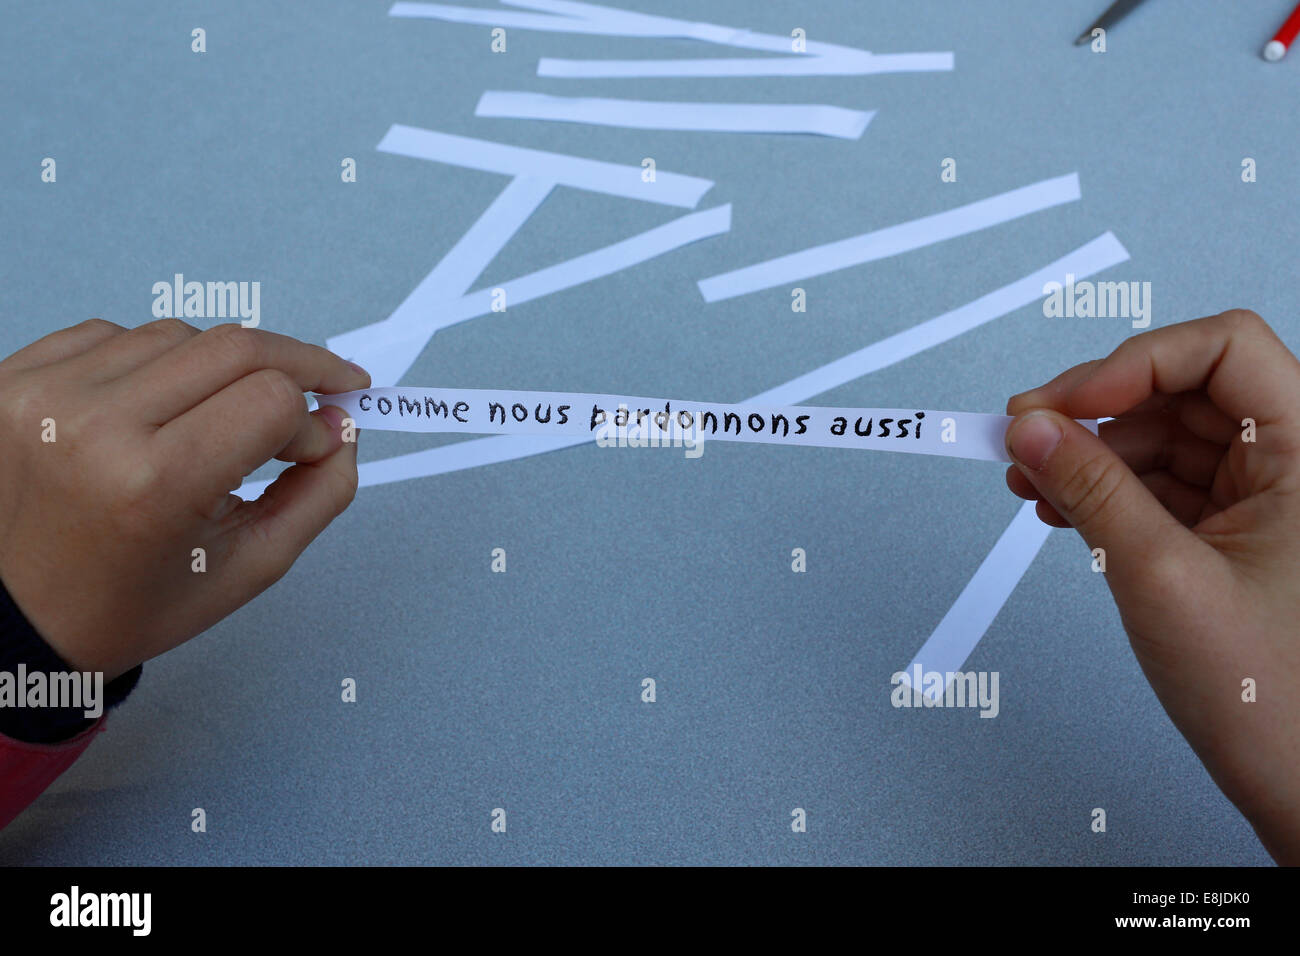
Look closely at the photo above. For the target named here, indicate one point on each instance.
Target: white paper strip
(630, 420)
(668, 27)
(670, 189)
(649, 25)
(981, 600)
(510, 19)
(590, 18)
(829, 65)
(713, 117)
(871, 246)
(1099, 254)
(389, 356)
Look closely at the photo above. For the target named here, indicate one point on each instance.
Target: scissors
(1114, 13)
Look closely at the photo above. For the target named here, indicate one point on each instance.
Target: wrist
(44, 698)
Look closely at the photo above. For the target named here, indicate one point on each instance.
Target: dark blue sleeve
(20, 644)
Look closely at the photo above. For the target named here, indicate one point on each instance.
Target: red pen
(1276, 48)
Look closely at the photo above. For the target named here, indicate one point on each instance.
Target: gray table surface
(522, 690)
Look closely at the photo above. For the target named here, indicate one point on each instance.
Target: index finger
(1234, 357)
(1053, 394)
(187, 375)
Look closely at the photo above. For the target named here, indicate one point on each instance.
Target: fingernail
(358, 369)
(1032, 439)
(1024, 399)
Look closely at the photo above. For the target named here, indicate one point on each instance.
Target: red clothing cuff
(27, 769)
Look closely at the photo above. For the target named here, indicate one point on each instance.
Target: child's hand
(1201, 532)
(153, 428)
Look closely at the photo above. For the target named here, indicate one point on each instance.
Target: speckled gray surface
(481, 690)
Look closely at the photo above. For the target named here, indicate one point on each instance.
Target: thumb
(1093, 489)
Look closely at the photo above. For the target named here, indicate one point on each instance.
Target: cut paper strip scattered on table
(904, 237)
(630, 22)
(671, 189)
(835, 65)
(565, 16)
(952, 642)
(812, 118)
(510, 19)
(636, 421)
